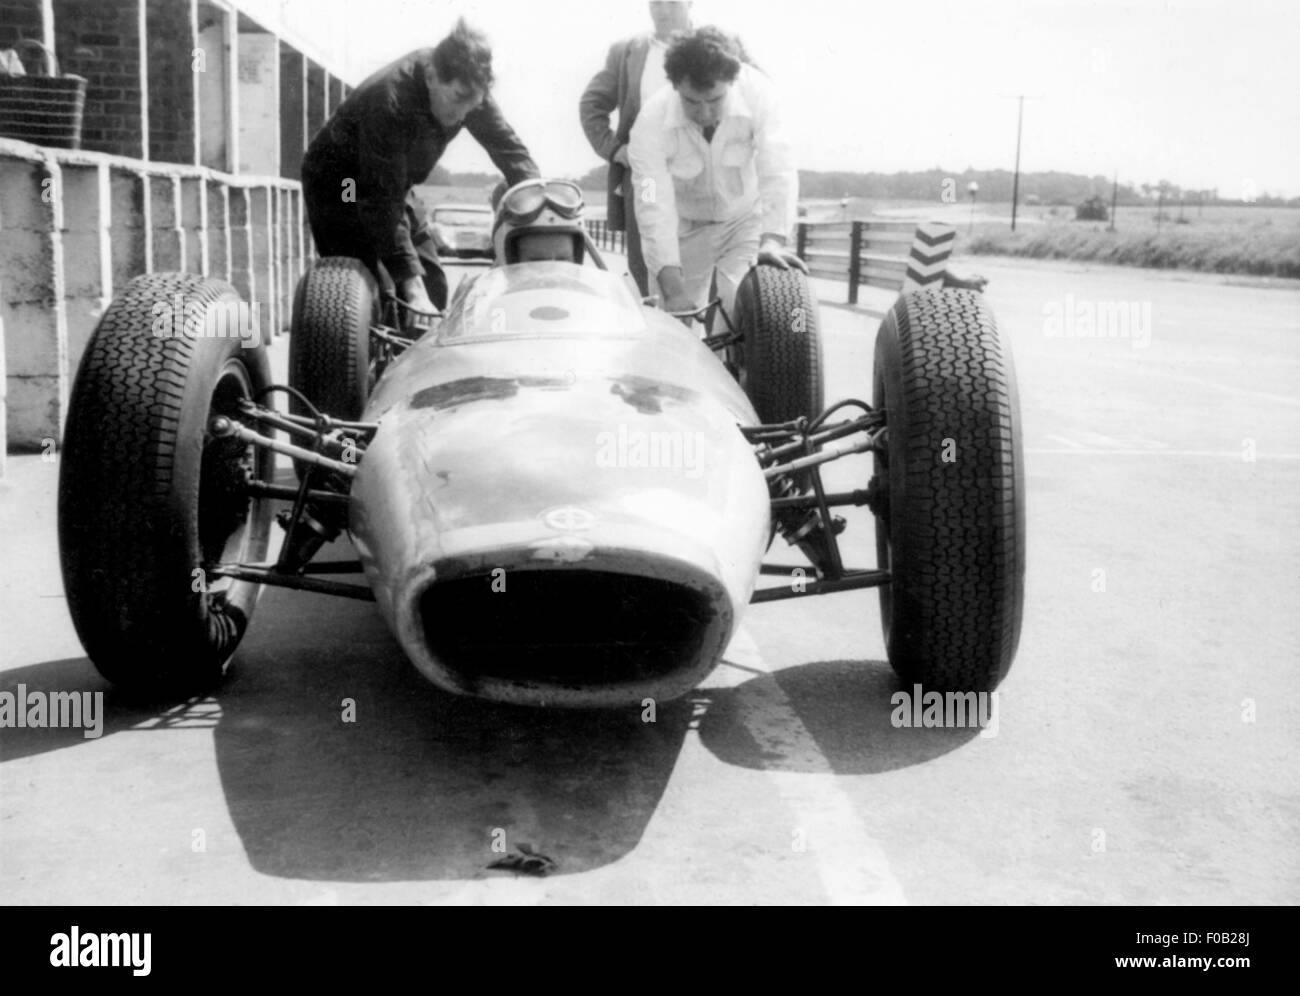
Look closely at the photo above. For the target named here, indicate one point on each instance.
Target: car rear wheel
(951, 529)
(329, 340)
(780, 358)
(149, 500)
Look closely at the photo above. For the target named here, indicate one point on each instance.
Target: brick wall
(171, 81)
(99, 39)
(19, 19)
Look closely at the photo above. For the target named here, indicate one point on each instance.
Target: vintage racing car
(558, 494)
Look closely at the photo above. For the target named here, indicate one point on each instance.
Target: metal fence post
(855, 260)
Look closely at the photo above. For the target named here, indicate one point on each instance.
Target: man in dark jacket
(384, 139)
(634, 69)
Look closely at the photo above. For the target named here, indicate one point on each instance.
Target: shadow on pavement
(339, 762)
(422, 784)
(828, 714)
(419, 785)
(120, 712)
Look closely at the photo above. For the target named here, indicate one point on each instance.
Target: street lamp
(972, 189)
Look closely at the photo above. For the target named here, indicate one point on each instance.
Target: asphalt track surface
(1143, 751)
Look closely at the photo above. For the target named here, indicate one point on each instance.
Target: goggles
(524, 201)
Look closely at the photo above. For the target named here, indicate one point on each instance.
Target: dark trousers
(336, 230)
(635, 258)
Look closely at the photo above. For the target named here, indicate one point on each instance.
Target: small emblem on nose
(569, 519)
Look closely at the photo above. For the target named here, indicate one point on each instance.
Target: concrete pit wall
(196, 118)
(75, 227)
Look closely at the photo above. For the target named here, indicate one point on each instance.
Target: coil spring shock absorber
(803, 526)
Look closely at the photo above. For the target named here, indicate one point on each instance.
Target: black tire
(780, 359)
(148, 499)
(952, 531)
(329, 338)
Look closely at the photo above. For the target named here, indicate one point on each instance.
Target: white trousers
(728, 246)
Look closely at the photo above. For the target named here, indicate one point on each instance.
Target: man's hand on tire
(773, 253)
(955, 281)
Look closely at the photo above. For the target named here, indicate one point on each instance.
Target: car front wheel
(951, 527)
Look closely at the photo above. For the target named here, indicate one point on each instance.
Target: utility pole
(1015, 181)
(1114, 197)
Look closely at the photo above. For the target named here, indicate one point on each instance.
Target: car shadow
(340, 762)
(820, 716)
(114, 712)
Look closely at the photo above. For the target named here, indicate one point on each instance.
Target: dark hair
(464, 55)
(705, 56)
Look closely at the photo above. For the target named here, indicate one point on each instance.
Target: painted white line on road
(740, 662)
(1128, 367)
(1217, 454)
(851, 864)
(1085, 439)
(1067, 441)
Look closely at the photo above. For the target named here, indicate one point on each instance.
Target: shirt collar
(736, 105)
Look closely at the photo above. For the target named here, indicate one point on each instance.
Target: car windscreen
(474, 219)
(544, 299)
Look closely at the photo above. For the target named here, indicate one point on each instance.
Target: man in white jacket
(714, 180)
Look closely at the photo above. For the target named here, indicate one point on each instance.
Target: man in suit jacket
(633, 71)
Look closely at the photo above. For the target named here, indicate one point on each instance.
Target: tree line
(931, 185)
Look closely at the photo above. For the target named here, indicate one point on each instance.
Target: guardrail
(604, 237)
(895, 255)
(77, 226)
(885, 254)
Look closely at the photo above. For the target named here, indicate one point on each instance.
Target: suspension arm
(281, 579)
(820, 437)
(224, 427)
(824, 586)
(303, 423)
(817, 459)
(261, 489)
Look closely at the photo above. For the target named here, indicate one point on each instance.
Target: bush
(1093, 209)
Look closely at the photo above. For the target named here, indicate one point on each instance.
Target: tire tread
(959, 541)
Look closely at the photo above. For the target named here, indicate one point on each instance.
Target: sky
(1203, 93)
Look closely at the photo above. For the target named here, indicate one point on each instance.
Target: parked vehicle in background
(462, 230)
